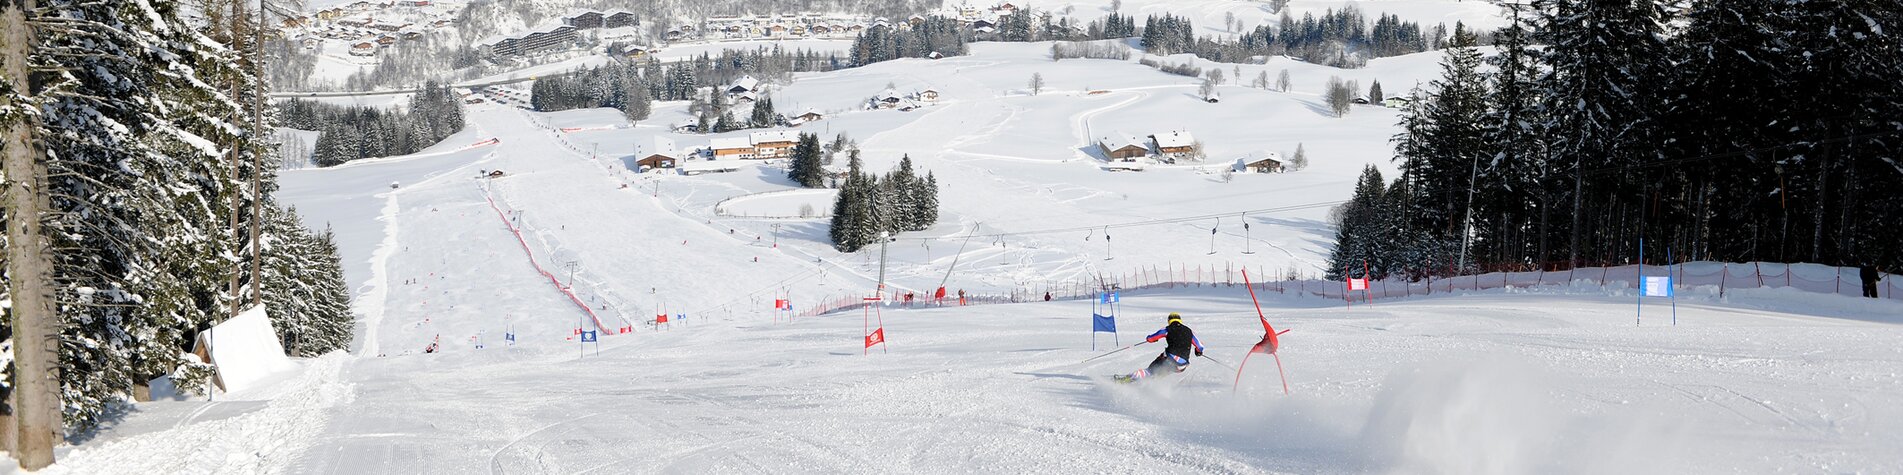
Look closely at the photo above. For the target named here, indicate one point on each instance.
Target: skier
(1870, 276)
(1180, 339)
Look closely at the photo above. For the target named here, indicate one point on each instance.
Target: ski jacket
(1180, 339)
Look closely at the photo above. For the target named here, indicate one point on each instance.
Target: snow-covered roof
(1118, 140)
(1175, 138)
(729, 143)
(662, 146)
(746, 82)
(1260, 156)
(774, 136)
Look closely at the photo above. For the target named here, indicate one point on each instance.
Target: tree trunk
(237, 195)
(36, 399)
(257, 150)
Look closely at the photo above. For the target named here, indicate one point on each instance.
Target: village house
(1123, 147)
(774, 144)
(656, 161)
(1270, 162)
(928, 95)
(1175, 145)
(732, 148)
(363, 49)
(743, 85)
(887, 100)
(809, 116)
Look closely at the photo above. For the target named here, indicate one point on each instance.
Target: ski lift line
(1151, 222)
(1742, 153)
(961, 253)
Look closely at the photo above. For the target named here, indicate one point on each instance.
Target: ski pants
(1167, 360)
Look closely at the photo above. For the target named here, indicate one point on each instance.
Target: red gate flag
(662, 318)
(877, 337)
(1358, 284)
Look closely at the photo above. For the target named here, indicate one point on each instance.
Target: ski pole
(1225, 365)
(1112, 352)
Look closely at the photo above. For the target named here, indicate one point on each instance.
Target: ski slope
(1544, 380)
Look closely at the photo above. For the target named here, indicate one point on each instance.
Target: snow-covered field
(1547, 380)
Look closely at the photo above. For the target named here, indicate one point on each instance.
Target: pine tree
(1603, 59)
(1450, 147)
(762, 115)
(806, 169)
(1358, 231)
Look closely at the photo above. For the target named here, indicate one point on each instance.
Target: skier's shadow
(1054, 375)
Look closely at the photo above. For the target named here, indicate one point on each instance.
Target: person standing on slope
(1180, 340)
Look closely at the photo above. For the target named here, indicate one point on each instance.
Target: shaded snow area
(495, 273)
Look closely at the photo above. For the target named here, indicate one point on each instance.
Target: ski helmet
(1176, 317)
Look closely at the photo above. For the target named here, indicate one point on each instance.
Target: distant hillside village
(369, 27)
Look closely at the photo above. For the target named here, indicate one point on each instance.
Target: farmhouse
(363, 49)
(1123, 147)
(1175, 144)
(774, 144)
(664, 155)
(928, 95)
(809, 116)
(732, 147)
(656, 161)
(743, 85)
(1269, 162)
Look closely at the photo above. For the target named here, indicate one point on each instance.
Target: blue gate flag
(1100, 323)
(588, 337)
(1110, 298)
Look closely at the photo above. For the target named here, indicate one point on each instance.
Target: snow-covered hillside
(499, 244)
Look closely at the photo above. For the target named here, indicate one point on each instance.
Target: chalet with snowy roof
(363, 49)
(1268, 162)
(732, 148)
(1175, 144)
(774, 144)
(809, 116)
(663, 155)
(928, 95)
(776, 30)
(742, 98)
(656, 161)
(1123, 147)
(745, 84)
(822, 30)
(887, 100)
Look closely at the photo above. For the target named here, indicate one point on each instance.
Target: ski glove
(1199, 352)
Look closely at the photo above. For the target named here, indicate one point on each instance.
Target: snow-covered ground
(1547, 380)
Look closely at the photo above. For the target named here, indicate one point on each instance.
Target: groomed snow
(1549, 380)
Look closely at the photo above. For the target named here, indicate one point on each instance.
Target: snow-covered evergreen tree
(806, 169)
